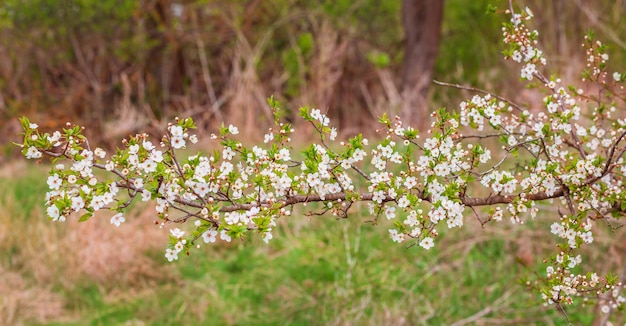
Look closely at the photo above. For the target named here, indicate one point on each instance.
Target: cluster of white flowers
(566, 285)
(478, 109)
(322, 118)
(77, 188)
(524, 43)
(572, 230)
(500, 182)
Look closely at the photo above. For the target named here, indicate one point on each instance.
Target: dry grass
(99, 252)
(21, 301)
(42, 256)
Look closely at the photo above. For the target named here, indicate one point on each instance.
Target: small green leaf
(25, 123)
(85, 217)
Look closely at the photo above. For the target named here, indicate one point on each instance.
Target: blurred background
(119, 67)
(122, 66)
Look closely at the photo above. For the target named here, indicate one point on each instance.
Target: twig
(478, 90)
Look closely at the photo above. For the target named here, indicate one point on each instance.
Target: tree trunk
(422, 26)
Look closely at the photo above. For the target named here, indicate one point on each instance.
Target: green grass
(318, 272)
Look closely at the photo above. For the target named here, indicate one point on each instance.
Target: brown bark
(422, 26)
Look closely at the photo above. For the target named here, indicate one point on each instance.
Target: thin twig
(478, 90)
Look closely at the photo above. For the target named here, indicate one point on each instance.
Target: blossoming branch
(490, 152)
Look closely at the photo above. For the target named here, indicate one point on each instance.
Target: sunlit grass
(317, 271)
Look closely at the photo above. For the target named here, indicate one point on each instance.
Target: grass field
(315, 272)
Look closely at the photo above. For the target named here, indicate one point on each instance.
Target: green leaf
(379, 59)
(384, 119)
(25, 123)
(85, 217)
(304, 113)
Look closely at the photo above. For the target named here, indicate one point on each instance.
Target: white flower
(226, 168)
(484, 157)
(268, 138)
(118, 219)
(228, 153)
(378, 196)
(617, 76)
(358, 155)
(54, 139)
(148, 145)
(442, 169)
(171, 254)
(225, 236)
(178, 142)
(99, 152)
(550, 186)
(403, 202)
(437, 215)
(395, 236)
(133, 149)
(209, 236)
(283, 155)
(146, 195)
(587, 237)
(557, 229)
(138, 183)
(333, 133)
(177, 233)
(528, 71)
(529, 13)
(201, 189)
(179, 246)
(509, 187)
(149, 166)
(77, 203)
(427, 243)
(71, 179)
(497, 215)
(233, 130)
(53, 212)
(379, 163)
(267, 236)
(109, 166)
(410, 182)
(176, 131)
(193, 139)
(33, 153)
(390, 212)
(156, 156)
(317, 115)
(605, 309)
(54, 182)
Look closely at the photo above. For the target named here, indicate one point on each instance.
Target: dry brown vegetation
(45, 255)
(134, 68)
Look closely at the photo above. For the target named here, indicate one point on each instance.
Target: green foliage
(58, 16)
(470, 36)
(293, 61)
